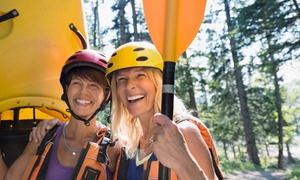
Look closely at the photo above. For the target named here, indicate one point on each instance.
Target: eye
(75, 82)
(120, 79)
(94, 85)
(141, 75)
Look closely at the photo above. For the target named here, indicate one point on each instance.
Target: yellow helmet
(134, 54)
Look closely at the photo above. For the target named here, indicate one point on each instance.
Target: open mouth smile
(84, 102)
(135, 98)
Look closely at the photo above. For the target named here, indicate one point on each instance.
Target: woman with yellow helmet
(134, 72)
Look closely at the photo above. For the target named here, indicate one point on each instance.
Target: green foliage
(268, 162)
(104, 115)
(294, 172)
(184, 83)
(233, 166)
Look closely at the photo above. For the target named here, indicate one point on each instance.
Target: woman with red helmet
(67, 151)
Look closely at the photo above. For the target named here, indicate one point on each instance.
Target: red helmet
(86, 57)
(90, 58)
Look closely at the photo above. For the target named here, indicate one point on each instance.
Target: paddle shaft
(167, 106)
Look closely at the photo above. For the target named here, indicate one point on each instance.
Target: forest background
(240, 75)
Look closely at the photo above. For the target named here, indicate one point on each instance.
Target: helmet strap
(86, 121)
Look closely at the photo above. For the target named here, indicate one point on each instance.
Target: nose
(131, 83)
(85, 89)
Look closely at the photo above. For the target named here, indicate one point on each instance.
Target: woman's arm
(3, 167)
(18, 168)
(198, 148)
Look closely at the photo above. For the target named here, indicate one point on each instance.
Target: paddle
(173, 24)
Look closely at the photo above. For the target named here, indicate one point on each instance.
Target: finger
(42, 128)
(40, 132)
(30, 135)
(52, 123)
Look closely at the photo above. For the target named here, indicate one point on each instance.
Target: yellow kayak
(35, 41)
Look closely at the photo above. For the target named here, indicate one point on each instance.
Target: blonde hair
(128, 127)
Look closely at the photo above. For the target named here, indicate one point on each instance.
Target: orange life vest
(92, 166)
(91, 163)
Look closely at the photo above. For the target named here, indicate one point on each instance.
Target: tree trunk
(280, 123)
(225, 150)
(278, 101)
(247, 123)
(95, 26)
(290, 158)
(122, 4)
(233, 150)
(134, 19)
(297, 7)
(267, 149)
(191, 92)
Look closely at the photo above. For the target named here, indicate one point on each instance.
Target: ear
(108, 95)
(64, 96)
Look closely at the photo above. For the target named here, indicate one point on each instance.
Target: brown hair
(88, 73)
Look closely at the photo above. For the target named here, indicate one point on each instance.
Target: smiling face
(136, 91)
(85, 91)
(84, 96)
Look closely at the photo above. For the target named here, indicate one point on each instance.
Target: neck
(78, 130)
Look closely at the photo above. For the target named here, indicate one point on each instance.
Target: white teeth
(83, 101)
(132, 98)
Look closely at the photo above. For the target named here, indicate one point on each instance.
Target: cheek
(153, 95)
(120, 90)
(121, 95)
(70, 91)
(99, 96)
(151, 89)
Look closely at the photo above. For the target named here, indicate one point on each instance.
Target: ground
(257, 175)
(268, 174)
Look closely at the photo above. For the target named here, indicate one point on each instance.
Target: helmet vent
(101, 55)
(139, 49)
(72, 57)
(110, 65)
(114, 54)
(142, 58)
(101, 60)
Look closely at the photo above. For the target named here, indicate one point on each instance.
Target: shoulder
(186, 120)
(188, 124)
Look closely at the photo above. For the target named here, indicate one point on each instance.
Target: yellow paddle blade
(173, 24)
(34, 46)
